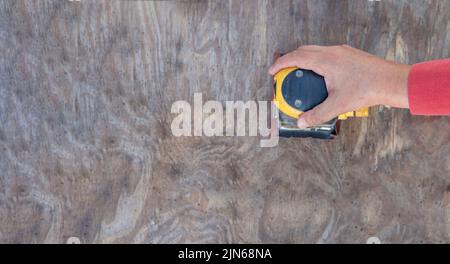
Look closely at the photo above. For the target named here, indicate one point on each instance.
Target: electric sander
(296, 91)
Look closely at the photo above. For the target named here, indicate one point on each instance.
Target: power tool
(296, 91)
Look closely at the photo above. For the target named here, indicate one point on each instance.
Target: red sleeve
(429, 88)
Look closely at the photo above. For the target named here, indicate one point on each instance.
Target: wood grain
(87, 151)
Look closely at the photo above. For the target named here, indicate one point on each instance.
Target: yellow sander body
(297, 91)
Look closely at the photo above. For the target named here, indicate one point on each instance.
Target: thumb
(318, 115)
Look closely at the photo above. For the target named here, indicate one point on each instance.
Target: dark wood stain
(86, 148)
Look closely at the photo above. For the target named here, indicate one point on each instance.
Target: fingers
(305, 57)
(320, 114)
(313, 47)
(285, 61)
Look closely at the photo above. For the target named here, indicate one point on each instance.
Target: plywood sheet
(86, 148)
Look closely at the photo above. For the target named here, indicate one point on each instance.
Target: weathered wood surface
(87, 151)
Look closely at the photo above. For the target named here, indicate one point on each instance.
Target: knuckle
(308, 47)
(337, 48)
(334, 56)
(302, 55)
(288, 56)
(330, 59)
(280, 61)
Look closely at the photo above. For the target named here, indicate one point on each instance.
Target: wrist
(395, 92)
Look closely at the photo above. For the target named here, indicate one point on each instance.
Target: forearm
(394, 85)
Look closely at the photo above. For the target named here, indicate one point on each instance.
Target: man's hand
(355, 79)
